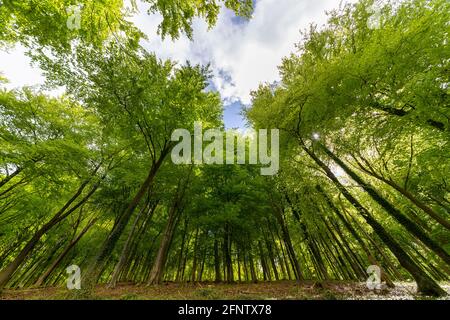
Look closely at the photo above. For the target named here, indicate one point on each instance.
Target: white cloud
(242, 55)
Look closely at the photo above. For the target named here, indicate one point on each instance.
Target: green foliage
(178, 15)
(378, 97)
(45, 22)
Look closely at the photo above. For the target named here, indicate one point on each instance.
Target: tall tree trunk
(62, 255)
(315, 252)
(157, 271)
(394, 212)
(218, 273)
(279, 256)
(425, 283)
(98, 263)
(8, 271)
(239, 263)
(202, 266)
(175, 211)
(195, 259)
(266, 271)
(285, 258)
(287, 240)
(252, 268)
(183, 243)
(402, 190)
(271, 257)
(10, 177)
(227, 253)
(127, 247)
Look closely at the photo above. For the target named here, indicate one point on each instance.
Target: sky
(242, 53)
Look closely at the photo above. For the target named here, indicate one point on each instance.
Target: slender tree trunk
(180, 258)
(195, 254)
(63, 254)
(239, 263)
(246, 274)
(8, 271)
(433, 214)
(394, 212)
(157, 271)
(127, 247)
(288, 242)
(252, 268)
(12, 247)
(278, 255)
(10, 177)
(202, 266)
(285, 259)
(227, 252)
(99, 261)
(425, 283)
(266, 271)
(218, 274)
(315, 252)
(271, 258)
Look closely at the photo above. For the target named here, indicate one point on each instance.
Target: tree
(351, 84)
(33, 129)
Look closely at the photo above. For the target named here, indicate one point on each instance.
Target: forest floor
(282, 290)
